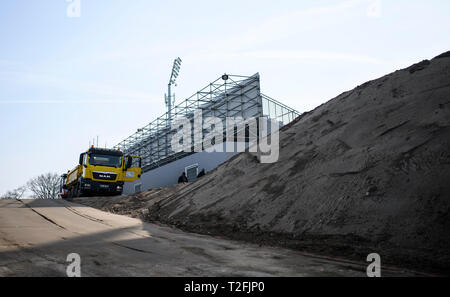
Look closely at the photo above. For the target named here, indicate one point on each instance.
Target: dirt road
(37, 235)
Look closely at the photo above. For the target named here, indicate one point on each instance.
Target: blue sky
(64, 80)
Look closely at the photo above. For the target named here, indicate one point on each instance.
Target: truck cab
(102, 172)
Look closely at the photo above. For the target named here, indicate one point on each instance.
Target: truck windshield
(105, 160)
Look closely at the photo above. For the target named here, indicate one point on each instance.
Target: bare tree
(15, 194)
(45, 186)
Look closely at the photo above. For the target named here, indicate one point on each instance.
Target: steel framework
(228, 96)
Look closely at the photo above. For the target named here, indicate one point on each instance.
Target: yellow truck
(101, 172)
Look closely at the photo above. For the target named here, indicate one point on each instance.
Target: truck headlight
(119, 188)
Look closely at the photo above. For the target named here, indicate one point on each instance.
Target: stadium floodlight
(170, 100)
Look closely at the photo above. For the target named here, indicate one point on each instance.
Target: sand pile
(369, 171)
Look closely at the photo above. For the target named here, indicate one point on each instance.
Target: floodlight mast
(170, 100)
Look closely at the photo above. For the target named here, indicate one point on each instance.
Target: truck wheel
(80, 192)
(69, 194)
(76, 191)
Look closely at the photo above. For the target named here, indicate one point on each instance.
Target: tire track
(41, 215)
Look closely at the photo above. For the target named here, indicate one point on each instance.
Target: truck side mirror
(81, 159)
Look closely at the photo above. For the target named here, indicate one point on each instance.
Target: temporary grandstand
(229, 96)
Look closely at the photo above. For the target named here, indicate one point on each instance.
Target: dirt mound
(135, 206)
(366, 172)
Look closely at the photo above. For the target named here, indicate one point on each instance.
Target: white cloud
(293, 32)
(286, 24)
(95, 89)
(299, 55)
(80, 101)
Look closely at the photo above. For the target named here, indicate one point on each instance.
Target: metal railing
(228, 96)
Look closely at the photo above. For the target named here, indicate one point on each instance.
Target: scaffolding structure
(229, 96)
